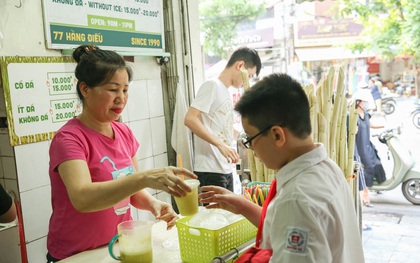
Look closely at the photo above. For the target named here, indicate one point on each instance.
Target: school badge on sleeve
(296, 240)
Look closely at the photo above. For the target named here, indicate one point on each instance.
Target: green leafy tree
(391, 27)
(219, 18)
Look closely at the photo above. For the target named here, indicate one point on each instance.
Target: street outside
(394, 222)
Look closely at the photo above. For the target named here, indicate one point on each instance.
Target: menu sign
(125, 25)
(40, 96)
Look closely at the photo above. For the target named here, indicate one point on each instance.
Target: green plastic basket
(200, 245)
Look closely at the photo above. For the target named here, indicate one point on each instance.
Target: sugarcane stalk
(353, 115)
(313, 110)
(259, 170)
(322, 130)
(251, 164)
(326, 108)
(342, 156)
(335, 123)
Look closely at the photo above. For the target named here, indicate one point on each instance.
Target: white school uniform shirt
(312, 217)
(214, 101)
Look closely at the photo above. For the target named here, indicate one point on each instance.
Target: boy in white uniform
(309, 214)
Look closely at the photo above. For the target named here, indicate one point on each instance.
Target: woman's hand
(164, 211)
(169, 179)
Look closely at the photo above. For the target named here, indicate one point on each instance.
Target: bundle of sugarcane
(328, 111)
(334, 124)
(259, 172)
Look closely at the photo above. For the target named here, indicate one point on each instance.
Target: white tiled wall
(138, 101)
(9, 236)
(11, 186)
(32, 165)
(147, 163)
(143, 132)
(154, 90)
(28, 164)
(37, 250)
(36, 210)
(161, 160)
(31, 162)
(9, 245)
(2, 104)
(158, 135)
(5, 149)
(9, 167)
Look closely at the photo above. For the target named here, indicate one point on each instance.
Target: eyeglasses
(246, 141)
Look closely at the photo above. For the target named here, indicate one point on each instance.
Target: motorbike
(405, 171)
(404, 88)
(388, 105)
(415, 116)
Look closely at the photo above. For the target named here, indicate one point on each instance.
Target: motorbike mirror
(382, 139)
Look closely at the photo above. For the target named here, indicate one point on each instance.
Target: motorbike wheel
(416, 119)
(388, 107)
(411, 190)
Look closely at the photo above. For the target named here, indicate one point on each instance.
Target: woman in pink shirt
(93, 170)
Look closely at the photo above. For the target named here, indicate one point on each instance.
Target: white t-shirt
(312, 217)
(236, 94)
(214, 101)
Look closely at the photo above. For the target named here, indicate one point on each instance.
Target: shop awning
(328, 53)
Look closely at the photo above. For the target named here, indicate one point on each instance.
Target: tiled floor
(389, 242)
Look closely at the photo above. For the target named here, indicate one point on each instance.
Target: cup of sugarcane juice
(188, 204)
(135, 242)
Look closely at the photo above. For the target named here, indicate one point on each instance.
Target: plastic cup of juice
(188, 205)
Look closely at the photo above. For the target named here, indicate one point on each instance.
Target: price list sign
(125, 25)
(40, 96)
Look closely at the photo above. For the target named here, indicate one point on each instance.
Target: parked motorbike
(415, 116)
(388, 105)
(403, 88)
(405, 171)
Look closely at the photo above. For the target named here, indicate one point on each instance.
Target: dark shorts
(223, 180)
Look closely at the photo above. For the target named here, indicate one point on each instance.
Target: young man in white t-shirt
(210, 118)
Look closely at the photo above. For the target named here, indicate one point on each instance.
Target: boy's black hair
(247, 55)
(277, 99)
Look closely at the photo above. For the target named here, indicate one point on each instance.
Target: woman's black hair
(96, 66)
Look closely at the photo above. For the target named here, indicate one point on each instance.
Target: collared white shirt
(312, 217)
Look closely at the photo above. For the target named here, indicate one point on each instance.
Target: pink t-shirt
(71, 231)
